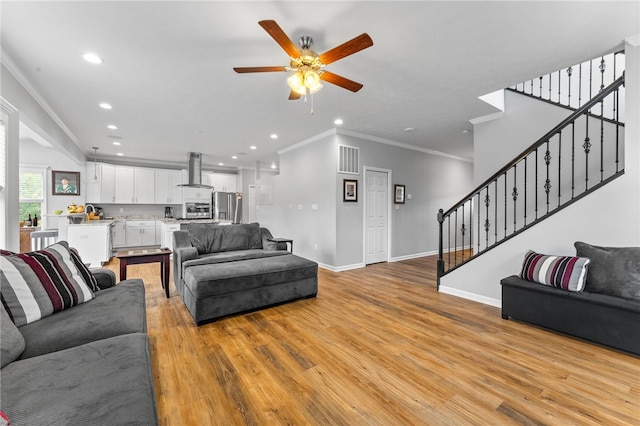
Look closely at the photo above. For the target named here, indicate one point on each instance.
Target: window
(32, 189)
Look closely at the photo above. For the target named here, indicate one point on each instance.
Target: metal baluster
(536, 186)
(602, 67)
(559, 75)
(487, 223)
(540, 84)
(601, 140)
(525, 190)
(463, 231)
(455, 241)
(449, 241)
(579, 85)
(514, 195)
(587, 148)
(569, 72)
(573, 158)
(559, 166)
(495, 207)
(547, 182)
(617, 98)
(478, 221)
(505, 204)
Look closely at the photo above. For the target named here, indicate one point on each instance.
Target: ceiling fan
(307, 65)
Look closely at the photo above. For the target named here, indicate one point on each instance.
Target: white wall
(607, 217)
(308, 177)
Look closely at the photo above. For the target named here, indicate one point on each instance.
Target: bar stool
(44, 238)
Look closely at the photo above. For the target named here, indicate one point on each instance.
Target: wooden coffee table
(151, 255)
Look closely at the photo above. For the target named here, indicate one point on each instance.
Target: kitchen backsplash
(119, 210)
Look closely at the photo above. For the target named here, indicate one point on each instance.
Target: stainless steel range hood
(194, 169)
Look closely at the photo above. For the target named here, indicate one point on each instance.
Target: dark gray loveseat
(606, 312)
(86, 365)
(221, 270)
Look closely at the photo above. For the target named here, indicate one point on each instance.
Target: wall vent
(349, 161)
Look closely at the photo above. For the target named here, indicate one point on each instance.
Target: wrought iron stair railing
(579, 155)
(570, 87)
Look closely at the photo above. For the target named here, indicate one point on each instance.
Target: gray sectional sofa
(606, 311)
(86, 365)
(220, 270)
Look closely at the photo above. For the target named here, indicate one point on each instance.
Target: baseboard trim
(471, 296)
(413, 256)
(341, 268)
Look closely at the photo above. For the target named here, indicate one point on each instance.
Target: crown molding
(400, 145)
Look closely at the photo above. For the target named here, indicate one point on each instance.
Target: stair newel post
(440, 265)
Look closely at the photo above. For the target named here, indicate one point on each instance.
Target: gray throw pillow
(613, 270)
(11, 341)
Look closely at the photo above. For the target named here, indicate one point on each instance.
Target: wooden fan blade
(280, 37)
(345, 49)
(258, 69)
(294, 96)
(338, 80)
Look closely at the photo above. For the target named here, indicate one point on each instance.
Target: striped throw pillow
(565, 272)
(39, 283)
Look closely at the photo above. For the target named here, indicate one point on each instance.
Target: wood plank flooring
(379, 346)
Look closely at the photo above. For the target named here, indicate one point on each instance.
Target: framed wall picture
(398, 194)
(350, 190)
(65, 183)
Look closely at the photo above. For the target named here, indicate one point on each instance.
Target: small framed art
(350, 190)
(65, 183)
(398, 194)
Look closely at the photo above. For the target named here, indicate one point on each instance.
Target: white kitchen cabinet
(167, 234)
(135, 185)
(167, 189)
(119, 235)
(93, 242)
(159, 233)
(141, 233)
(223, 182)
(102, 191)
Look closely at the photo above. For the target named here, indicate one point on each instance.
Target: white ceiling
(167, 68)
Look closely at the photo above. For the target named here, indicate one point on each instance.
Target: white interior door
(376, 216)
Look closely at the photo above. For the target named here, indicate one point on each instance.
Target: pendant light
(95, 165)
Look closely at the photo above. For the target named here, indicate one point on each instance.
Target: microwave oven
(196, 210)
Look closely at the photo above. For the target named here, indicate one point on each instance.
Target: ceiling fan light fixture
(296, 82)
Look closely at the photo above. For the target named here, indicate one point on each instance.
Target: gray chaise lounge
(220, 270)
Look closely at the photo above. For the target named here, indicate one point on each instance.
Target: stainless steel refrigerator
(227, 206)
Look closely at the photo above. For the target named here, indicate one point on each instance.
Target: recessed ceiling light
(112, 127)
(465, 131)
(273, 165)
(253, 147)
(220, 164)
(274, 136)
(235, 157)
(92, 58)
(105, 105)
(120, 154)
(116, 143)
(409, 129)
(338, 121)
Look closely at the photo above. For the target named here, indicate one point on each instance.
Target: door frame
(366, 169)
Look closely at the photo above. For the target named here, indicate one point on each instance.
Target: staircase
(576, 157)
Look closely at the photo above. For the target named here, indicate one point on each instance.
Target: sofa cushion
(86, 275)
(114, 311)
(107, 382)
(11, 340)
(565, 272)
(614, 270)
(39, 283)
(231, 277)
(212, 238)
(232, 256)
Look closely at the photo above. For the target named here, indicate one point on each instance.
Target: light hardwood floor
(379, 346)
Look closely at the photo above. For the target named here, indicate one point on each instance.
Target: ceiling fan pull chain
(312, 104)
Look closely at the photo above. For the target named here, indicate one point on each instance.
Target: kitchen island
(92, 239)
